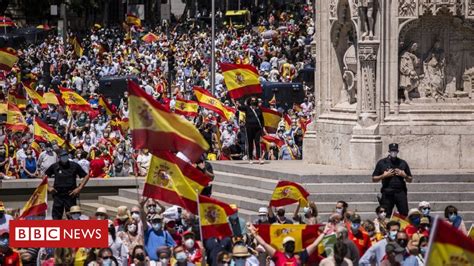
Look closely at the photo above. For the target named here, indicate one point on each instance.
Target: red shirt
(12, 258)
(280, 259)
(361, 240)
(97, 167)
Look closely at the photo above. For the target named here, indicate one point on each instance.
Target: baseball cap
(288, 239)
(263, 210)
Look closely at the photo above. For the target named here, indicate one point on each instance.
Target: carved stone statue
(434, 72)
(407, 8)
(367, 18)
(409, 78)
(349, 91)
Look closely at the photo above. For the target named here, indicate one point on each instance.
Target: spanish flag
(271, 119)
(241, 79)
(288, 121)
(36, 147)
(174, 181)
(267, 139)
(73, 100)
(213, 218)
(186, 108)
(158, 129)
(287, 192)
(107, 107)
(8, 58)
(17, 99)
(34, 96)
(76, 45)
(449, 246)
(51, 98)
(133, 20)
(274, 234)
(15, 120)
(121, 125)
(401, 219)
(206, 100)
(44, 133)
(37, 204)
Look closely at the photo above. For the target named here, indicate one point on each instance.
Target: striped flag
(213, 218)
(17, 99)
(15, 120)
(44, 133)
(174, 181)
(274, 234)
(74, 101)
(51, 98)
(186, 108)
(449, 246)
(271, 119)
(34, 96)
(107, 107)
(241, 80)
(158, 129)
(401, 219)
(8, 58)
(133, 20)
(37, 204)
(76, 45)
(206, 100)
(267, 139)
(287, 192)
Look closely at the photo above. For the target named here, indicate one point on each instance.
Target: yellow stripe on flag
(34, 96)
(37, 204)
(279, 231)
(238, 78)
(51, 98)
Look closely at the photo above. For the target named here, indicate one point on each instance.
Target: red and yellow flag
(241, 79)
(206, 100)
(449, 246)
(8, 58)
(73, 100)
(174, 181)
(186, 108)
(36, 147)
(133, 20)
(267, 139)
(288, 121)
(51, 98)
(76, 45)
(107, 107)
(34, 96)
(287, 192)
(44, 133)
(157, 129)
(15, 120)
(401, 219)
(274, 234)
(213, 218)
(17, 99)
(37, 204)
(120, 124)
(271, 119)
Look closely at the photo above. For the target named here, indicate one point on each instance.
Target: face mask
(240, 261)
(157, 227)
(229, 129)
(151, 209)
(306, 210)
(291, 143)
(425, 211)
(107, 262)
(392, 235)
(100, 217)
(262, 218)
(281, 213)
(132, 228)
(164, 261)
(64, 159)
(189, 243)
(382, 215)
(4, 242)
(402, 242)
(452, 217)
(415, 220)
(75, 216)
(181, 256)
(140, 257)
(393, 154)
(136, 216)
(290, 248)
(120, 150)
(25, 146)
(399, 258)
(339, 211)
(355, 227)
(49, 149)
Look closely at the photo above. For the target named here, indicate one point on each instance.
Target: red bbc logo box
(58, 234)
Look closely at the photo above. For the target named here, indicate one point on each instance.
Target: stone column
(367, 108)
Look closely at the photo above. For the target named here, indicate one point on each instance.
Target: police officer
(65, 190)
(394, 173)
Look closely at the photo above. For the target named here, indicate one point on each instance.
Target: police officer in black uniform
(394, 173)
(65, 190)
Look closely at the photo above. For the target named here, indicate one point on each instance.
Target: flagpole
(213, 47)
(432, 236)
(199, 219)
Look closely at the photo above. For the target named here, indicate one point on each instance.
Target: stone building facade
(393, 71)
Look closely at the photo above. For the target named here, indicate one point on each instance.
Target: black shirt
(394, 183)
(253, 118)
(65, 175)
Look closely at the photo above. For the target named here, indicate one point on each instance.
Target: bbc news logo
(58, 233)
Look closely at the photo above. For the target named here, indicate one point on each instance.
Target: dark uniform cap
(355, 218)
(393, 147)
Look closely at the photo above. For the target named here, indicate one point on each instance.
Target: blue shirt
(155, 239)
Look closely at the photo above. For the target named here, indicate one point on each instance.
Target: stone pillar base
(365, 147)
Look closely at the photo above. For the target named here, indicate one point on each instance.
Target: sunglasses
(426, 208)
(106, 257)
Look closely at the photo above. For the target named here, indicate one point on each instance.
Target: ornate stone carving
(367, 18)
(470, 8)
(349, 91)
(407, 8)
(468, 80)
(434, 7)
(367, 57)
(434, 68)
(368, 52)
(409, 78)
(333, 9)
(354, 8)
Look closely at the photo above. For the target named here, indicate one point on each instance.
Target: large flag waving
(174, 181)
(17, 99)
(213, 218)
(157, 129)
(15, 120)
(271, 119)
(274, 234)
(208, 101)
(401, 219)
(76, 45)
(37, 204)
(133, 20)
(186, 108)
(35, 97)
(107, 107)
(73, 100)
(449, 246)
(8, 58)
(241, 79)
(44, 133)
(287, 192)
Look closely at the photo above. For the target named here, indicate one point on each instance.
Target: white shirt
(144, 162)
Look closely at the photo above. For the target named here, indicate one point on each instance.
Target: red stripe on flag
(228, 67)
(170, 197)
(247, 90)
(216, 230)
(34, 210)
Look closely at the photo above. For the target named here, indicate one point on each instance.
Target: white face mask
(382, 215)
(136, 216)
(393, 154)
(132, 228)
(75, 216)
(189, 243)
(164, 261)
